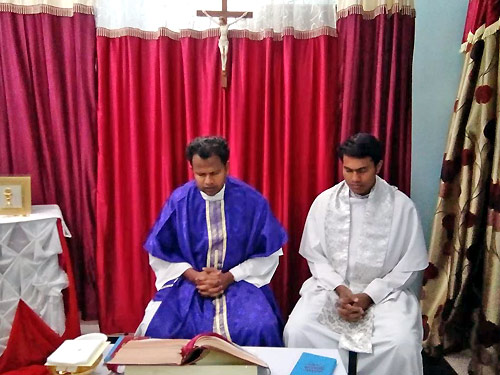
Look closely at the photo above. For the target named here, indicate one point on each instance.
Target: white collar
(217, 197)
(352, 194)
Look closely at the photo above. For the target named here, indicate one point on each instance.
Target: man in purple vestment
(214, 249)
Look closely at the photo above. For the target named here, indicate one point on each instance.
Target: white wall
(437, 65)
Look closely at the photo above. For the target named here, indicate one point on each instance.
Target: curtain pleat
(289, 102)
(48, 124)
(277, 114)
(281, 114)
(375, 95)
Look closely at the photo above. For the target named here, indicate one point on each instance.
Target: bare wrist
(228, 278)
(190, 274)
(368, 301)
(341, 289)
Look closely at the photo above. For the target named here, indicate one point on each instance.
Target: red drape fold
(281, 114)
(31, 341)
(480, 12)
(288, 104)
(278, 114)
(47, 123)
(375, 94)
(71, 310)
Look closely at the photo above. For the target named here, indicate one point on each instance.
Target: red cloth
(281, 114)
(376, 78)
(48, 123)
(29, 370)
(71, 311)
(278, 114)
(31, 341)
(480, 12)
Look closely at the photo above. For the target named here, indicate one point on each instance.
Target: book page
(150, 352)
(215, 343)
(208, 350)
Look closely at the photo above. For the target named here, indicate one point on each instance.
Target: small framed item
(15, 195)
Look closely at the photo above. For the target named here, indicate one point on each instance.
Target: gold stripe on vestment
(215, 232)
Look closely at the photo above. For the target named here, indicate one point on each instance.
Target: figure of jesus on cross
(224, 28)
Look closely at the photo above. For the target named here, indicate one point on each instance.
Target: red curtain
(278, 114)
(281, 113)
(47, 123)
(479, 13)
(375, 91)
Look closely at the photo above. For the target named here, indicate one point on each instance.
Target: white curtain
(54, 7)
(268, 15)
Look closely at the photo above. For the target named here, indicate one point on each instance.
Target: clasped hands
(210, 281)
(352, 307)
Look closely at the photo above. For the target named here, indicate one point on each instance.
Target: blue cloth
(180, 235)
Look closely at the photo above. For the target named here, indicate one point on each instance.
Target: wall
(437, 66)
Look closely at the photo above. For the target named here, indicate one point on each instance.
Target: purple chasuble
(220, 234)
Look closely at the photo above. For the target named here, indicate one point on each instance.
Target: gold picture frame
(15, 195)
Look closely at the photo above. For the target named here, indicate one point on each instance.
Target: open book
(207, 349)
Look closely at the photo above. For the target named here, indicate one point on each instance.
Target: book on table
(312, 364)
(213, 352)
(79, 355)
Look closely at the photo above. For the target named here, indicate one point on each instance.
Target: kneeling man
(214, 249)
(365, 249)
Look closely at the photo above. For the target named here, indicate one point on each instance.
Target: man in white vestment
(365, 249)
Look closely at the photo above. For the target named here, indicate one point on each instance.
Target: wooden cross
(223, 15)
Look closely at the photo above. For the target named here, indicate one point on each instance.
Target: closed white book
(76, 352)
(81, 353)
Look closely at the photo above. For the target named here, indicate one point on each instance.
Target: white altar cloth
(29, 268)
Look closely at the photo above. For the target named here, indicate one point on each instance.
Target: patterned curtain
(460, 304)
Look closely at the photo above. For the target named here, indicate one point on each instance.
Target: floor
(459, 361)
(455, 364)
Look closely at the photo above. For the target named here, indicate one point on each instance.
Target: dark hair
(361, 145)
(206, 147)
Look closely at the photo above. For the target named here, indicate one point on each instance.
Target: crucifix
(223, 15)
